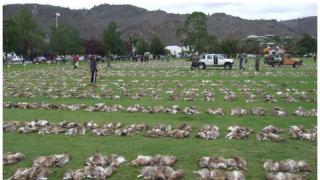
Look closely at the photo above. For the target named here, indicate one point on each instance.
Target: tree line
(194, 34)
(23, 35)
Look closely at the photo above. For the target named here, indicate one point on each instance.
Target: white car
(16, 59)
(215, 60)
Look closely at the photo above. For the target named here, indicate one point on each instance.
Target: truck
(282, 59)
(215, 60)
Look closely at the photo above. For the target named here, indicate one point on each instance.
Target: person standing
(241, 63)
(257, 63)
(93, 69)
(195, 61)
(74, 61)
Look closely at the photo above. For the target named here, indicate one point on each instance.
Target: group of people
(244, 59)
(195, 59)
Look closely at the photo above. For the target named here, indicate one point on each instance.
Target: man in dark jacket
(195, 61)
(241, 63)
(257, 62)
(93, 69)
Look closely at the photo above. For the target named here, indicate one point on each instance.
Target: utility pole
(132, 45)
(57, 15)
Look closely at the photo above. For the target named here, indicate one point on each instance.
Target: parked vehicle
(215, 60)
(282, 59)
(16, 59)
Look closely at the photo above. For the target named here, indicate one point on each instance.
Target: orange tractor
(277, 57)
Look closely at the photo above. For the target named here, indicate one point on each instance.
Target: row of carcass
(207, 131)
(189, 110)
(101, 166)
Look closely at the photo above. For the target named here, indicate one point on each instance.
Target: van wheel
(202, 66)
(294, 65)
(227, 66)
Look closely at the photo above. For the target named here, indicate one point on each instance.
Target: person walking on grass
(257, 62)
(76, 59)
(93, 69)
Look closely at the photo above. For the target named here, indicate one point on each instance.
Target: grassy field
(50, 82)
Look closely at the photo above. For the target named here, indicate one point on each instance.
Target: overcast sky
(251, 9)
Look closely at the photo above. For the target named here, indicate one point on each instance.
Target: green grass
(160, 76)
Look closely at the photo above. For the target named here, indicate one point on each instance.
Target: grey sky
(258, 9)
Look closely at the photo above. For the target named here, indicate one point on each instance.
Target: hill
(141, 22)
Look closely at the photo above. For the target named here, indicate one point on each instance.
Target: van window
(209, 56)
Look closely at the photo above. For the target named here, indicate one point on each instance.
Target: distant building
(259, 38)
(176, 50)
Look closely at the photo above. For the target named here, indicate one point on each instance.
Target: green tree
(22, 34)
(250, 45)
(212, 44)
(142, 46)
(194, 32)
(289, 44)
(65, 40)
(156, 46)
(276, 39)
(230, 47)
(111, 40)
(306, 44)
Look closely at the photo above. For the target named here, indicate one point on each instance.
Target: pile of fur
(230, 97)
(135, 108)
(158, 167)
(119, 130)
(209, 131)
(40, 167)
(270, 133)
(269, 98)
(238, 132)
(160, 172)
(131, 130)
(250, 98)
(192, 110)
(51, 161)
(208, 95)
(34, 172)
(218, 168)
(300, 112)
(97, 166)
(238, 112)
(235, 162)
(33, 126)
(258, 111)
(299, 132)
(10, 126)
(206, 174)
(215, 111)
(182, 131)
(172, 110)
(104, 108)
(12, 158)
(285, 176)
(158, 131)
(155, 109)
(157, 160)
(288, 165)
(79, 130)
(279, 112)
